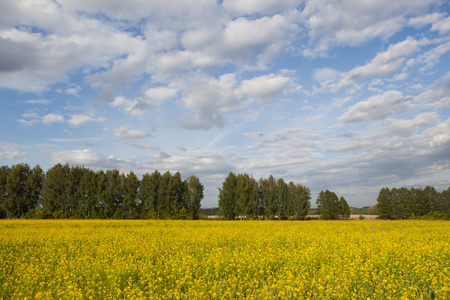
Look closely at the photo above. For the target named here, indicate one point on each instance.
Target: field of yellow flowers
(71, 259)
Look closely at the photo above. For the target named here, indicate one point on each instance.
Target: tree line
(78, 192)
(330, 207)
(241, 196)
(403, 203)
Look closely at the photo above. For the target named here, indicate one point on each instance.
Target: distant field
(49, 259)
(352, 217)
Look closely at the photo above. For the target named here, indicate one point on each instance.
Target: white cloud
(52, 118)
(161, 94)
(8, 154)
(438, 93)
(430, 58)
(39, 101)
(143, 103)
(353, 22)
(87, 158)
(126, 133)
(249, 7)
(79, 120)
(325, 74)
(408, 127)
(377, 107)
(439, 22)
(211, 100)
(267, 87)
(383, 64)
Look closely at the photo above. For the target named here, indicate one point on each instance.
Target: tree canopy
(403, 203)
(330, 207)
(78, 192)
(241, 196)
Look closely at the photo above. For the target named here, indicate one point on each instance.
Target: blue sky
(350, 96)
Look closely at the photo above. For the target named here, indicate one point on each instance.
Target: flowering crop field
(73, 259)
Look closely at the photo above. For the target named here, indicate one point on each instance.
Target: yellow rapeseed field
(144, 259)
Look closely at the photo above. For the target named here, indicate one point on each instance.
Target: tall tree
(130, 196)
(282, 199)
(3, 194)
(243, 195)
(175, 197)
(385, 205)
(344, 209)
(193, 195)
(300, 197)
(254, 201)
(88, 204)
(148, 193)
(18, 200)
(228, 197)
(114, 194)
(73, 191)
(163, 209)
(328, 205)
(54, 193)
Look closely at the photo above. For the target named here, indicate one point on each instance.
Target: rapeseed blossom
(71, 259)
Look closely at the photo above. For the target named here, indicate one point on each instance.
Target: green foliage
(243, 197)
(77, 192)
(228, 198)
(328, 206)
(413, 203)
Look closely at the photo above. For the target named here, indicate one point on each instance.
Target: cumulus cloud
(52, 118)
(408, 127)
(126, 133)
(211, 100)
(439, 22)
(79, 120)
(354, 22)
(377, 107)
(8, 154)
(384, 63)
(87, 158)
(267, 87)
(438, 93)
(237, 7)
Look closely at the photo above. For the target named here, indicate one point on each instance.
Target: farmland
(113, 259)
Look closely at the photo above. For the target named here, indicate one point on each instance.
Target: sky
(350, 96)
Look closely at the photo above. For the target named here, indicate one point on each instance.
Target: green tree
(3, 194)
(73, 192)
(243, 190)
(35, 183)
(113, 194)
(193, 195)
(163, 208)
(54, 192)
(88, 203)
(385, 204)
(269, 198)
(299, 201)
(148, 193)
(328, 205)
(130, 196)
(282, 200)
(175, 197)
(18, 200)
(344, 209)
(228, 198)
(254, 205)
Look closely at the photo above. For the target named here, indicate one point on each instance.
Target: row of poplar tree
(403, 203)
(78, 192)
(242, 197)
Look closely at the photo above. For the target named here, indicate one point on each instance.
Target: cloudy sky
(350, 96)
